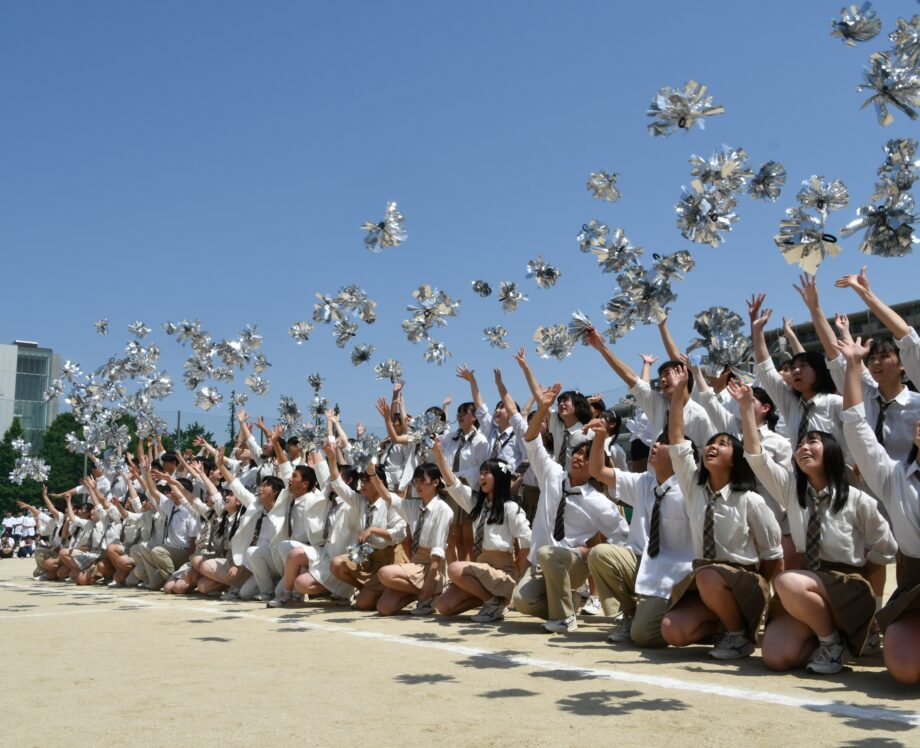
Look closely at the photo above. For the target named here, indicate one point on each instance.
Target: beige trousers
(549, 594)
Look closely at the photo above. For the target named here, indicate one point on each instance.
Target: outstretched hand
(854, 350)
(859, 283)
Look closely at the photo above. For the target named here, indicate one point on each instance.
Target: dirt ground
(129, 667)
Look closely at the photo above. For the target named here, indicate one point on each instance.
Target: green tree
(10, 493)
(187, 437)
(66, 468)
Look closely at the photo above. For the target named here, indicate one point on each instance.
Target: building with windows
(26, 371)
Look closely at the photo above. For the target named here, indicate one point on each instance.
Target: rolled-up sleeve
(766, 531)
(909, 346)
(441, 530)
(775, 478)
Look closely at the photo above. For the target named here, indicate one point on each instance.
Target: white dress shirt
(558, 429)
(510, 449)
(697, 426)
(382, 515)
(909, 346)
(438, 516)
(474, 450)
(895, 483)
(745, 529)
(498, 536)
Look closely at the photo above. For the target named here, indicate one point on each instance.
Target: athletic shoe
(827, 659)
(561, 625)
(424, 607)
(620, 634)
(592, 607)
(230, 594)
(263, 598)
(732, 647)
(113, 583)
(142, 586)
(493, 610)
(283, 600)
(873, 644)
(42, 577)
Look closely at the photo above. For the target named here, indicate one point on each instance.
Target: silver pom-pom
(425, 428)
(390, 369)
(703, 214)
(390, 232)
(580, 327)
(257, 384)
(604, 186)
(139, 330)
(250, 338)
(21, 445)
(315, 381)
(343, 330)
(158, 387)
(509, 296)
(361, 354)
(415, 330)
(29, 467)
(327, 310)
(260, 363)
(894, 82)
(318, 406)
(673, 109)
(239, 399)
(907, 40)
(618, 253)
(355, 301)
(481, 288)
(436, 352)
(359, 553)
(545, 275)
(673, 266)
(232, 353)
(554, 341)
(593, 235)
(300, 331)
(495, 336)
(823, 196)
(618, 311)
(54, 391)
(207, 397)
(71, 371)
(768, 181)
(722, 336)
(363, 451)
(288, 412)
(432, 310)
(889, 228)
(307, 437)
(102, 326)
(726, 171)
(899, 172)
(856, 24)
(802, 240)
(222, 374)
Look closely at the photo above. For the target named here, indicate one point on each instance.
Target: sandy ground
(128, 667)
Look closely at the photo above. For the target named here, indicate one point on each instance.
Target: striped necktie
(563, 453)
(559, 524)
(479, 537)
(461, 442)
(368, 515)
(709, 526)
(813, 532)
(654, 532)
(880, 421)
(331, 513)
(417, 532)
(803, 424)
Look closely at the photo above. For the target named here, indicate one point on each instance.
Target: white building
(26, 371)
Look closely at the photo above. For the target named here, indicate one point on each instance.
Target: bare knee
(901, 649)
(709, 580)
(673, 633)
(455, 569)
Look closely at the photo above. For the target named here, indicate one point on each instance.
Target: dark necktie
(559, 524)
(654, 531)
(480, 531)
(331, 513)
(236, 522)
(497, 445)
(258, 531)
(667, 421)
(563, 453)
(813, 532)
(368, 515)
(172, 514)
(709, 526)
(803, 424)
(289, 520)
(880, 421)
(461, 440)
(417, 532)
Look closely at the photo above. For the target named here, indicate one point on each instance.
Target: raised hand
(740, 391)
(859, 283)
(647, 358)
(383, 407)
(464, 372)
(854, 350)
(808, 290)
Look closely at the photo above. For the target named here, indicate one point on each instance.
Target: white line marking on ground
(875, 714)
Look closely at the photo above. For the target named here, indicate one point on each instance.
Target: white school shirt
(383, 515)
(392, 459)
(499, 536)
(509, 446)
(900, 416)
(823, 416)
(577, 437)
(656, 576)
(895, 483)
(437, 521)
(909, 346)
(846, 534)
(181, 530)
(474, 450)
(28, 526)
(697, 426)
(745, 529)
(17, 525)
(587, 511)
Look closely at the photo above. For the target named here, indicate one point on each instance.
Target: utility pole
(232, 415)
(178, 428)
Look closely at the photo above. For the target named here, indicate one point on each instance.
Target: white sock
(832, 638)
(879, 603)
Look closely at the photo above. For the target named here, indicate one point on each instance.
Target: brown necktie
(480, 531)
(417, 532)
(709, 526)
(813, 531)
(654, 532)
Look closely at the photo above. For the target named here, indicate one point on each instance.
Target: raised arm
(48, 503)
(504, 395)
(795, 345)
(621, 368)
(647, 361)
(544, 402)
(596, 467)
(670, 347)
(808, 290)
(521, 359)
(447, 475)
(378, 484)
(329, 451)
(886, 315)
(464, 372)
(676, 413)
(853, 352)
(759, 319)
(745, 397)
(383, 408)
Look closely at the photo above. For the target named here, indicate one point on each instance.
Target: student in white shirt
(501, 443)
(82, 557)
(570, 514)
(737, 540)
(136, 524)
(898, 486)
(429, 518)
(488, 580)
(635, 579)
(832, 524)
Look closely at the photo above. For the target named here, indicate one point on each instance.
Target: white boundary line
(875, 714)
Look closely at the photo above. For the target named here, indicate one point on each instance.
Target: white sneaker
(424, 607)
(827, 659)
(592, 607)
(873, 644)
(493, 610)
(263, 598)
(561, 625)
(732, 647)
(283, 600)
(230, 594)
(113, 583)
(620, 633)
(142, 586)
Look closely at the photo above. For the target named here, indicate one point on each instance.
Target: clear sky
(215, 160)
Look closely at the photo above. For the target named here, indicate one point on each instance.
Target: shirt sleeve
(441, 530)
(462, 494)
(685, 469)
(784, 398)
(345, 492)
(909, 346)
(396, 526)
(767, 535)
(627, 484)
(651, 402)
(255, 451)
(540, 460)
(874, 463)
(722, 419)
(778, 481)
(518, 524)
(485, 419)
(245, 497)
(876, 531)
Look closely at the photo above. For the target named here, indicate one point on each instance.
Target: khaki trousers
(549, 594)
(160, 562)
(614, 568)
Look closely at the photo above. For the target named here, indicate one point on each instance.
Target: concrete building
(26, 371)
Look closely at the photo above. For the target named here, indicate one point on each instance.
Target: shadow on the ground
(417, 679)
(507, 693)
(501, 659)
(615, 703)
(220, 639)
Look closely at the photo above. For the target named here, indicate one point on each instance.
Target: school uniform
(909, 347)
(844, 537)
(565, 438)
(745, 533)
(176, 532)
(557, 567)
(376, 514)
(697, 426)
(430, 526)
(392, 460)
(494, 564)
(500, 445)
(88, 541)
(633, 576)
(898, 486)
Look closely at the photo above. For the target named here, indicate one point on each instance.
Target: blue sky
(217, 159)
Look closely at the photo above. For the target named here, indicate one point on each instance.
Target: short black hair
(668, 365)
(580, 404)
(275, 483)
(169, 457)
(742, 477)
(307, 475)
